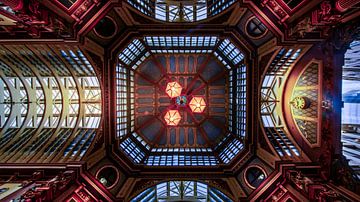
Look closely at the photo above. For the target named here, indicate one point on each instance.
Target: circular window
(254, 176)
(106, 28)
(108, 176)
(255, 28)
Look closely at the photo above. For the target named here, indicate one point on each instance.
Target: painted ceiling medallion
(181, 100)
(197, 104)
(172, 117)
(173, 89)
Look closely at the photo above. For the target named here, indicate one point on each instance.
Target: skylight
(215, 6)
(229, 54)
(51, 93)
(181, 44)
(270, 91)
(181, 191)
(181, 11)
(350, 118)
(134, 54)
(146, 50)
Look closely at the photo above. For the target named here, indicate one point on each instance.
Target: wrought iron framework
(50, 103)
(271, 97)
(181, 190)
(181, 11)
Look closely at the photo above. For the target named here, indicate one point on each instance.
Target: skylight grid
(180, 11)
(180, 51)
(132, 101)
(283, 61)
(350, 112)
(145, 6)
(86, 146)
(86, 62)
(66, 133)
(231, 150)
(121, 101)
(241, 101)
(201, 12)
(26, 71)
(132, 150)
(160, 12)
(81, 67)
(133, 53)
(79, 136)
(181, 191)
(161, 150)
(216, 6)
(231, 52)
(170, 10)
(7, 136)
(58, 141)
(231, 91)
(43, 69)
(181, 41)
(59, 67)
(282, 144)
(181, 160)
(84, 143)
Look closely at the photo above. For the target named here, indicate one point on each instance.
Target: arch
(181, 191)
(181, 11)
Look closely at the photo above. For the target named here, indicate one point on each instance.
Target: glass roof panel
(181, 191)
(181, 11)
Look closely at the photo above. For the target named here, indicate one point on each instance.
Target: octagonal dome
(206, 67)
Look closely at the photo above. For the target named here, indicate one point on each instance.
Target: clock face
(299, 102)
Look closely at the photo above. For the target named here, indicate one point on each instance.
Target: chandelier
(197, 104)
(172, 117)
(173, 90)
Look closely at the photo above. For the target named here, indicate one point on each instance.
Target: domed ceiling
(204, 67)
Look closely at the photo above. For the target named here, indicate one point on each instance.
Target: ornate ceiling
(203, 67)
(85, 100)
